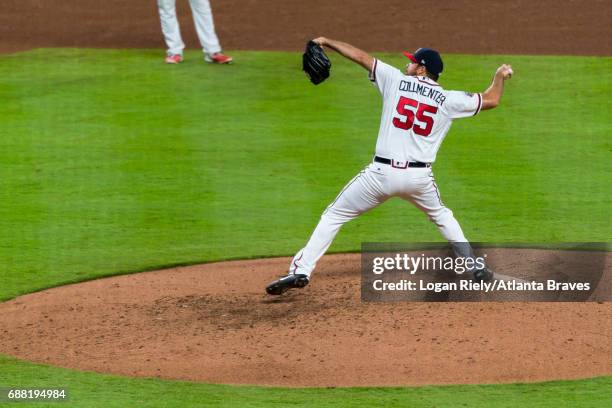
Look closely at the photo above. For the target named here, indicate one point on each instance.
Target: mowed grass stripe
(114, 162)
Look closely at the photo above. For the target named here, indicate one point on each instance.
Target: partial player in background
(416, 116)
(203, 19)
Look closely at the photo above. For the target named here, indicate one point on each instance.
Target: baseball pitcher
(417, 114)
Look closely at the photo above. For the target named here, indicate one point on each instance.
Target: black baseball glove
(315, 63)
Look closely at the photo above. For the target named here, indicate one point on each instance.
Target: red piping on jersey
(479, 104)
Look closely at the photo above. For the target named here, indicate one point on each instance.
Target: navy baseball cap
(431, 59)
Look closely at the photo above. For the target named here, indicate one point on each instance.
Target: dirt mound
(459, 26)
(213, 323)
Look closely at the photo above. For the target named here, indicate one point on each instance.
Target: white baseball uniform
(416, 116)
(203, 19)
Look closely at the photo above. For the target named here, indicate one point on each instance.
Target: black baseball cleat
(483, 275)
(282, 285)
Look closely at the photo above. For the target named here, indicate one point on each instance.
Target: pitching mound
(213, 323)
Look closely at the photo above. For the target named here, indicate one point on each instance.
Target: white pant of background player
(203, 19)
(371, 187)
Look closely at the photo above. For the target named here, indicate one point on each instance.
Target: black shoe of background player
(483, 275)
(282, 285)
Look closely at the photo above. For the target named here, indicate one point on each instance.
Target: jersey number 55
(408, 108)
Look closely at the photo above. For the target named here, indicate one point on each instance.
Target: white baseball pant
(370, 188)
(203, 19)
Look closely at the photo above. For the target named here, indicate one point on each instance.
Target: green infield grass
(113, 162)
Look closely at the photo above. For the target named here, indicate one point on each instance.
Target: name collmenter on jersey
(423, 90)
(417, 113)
